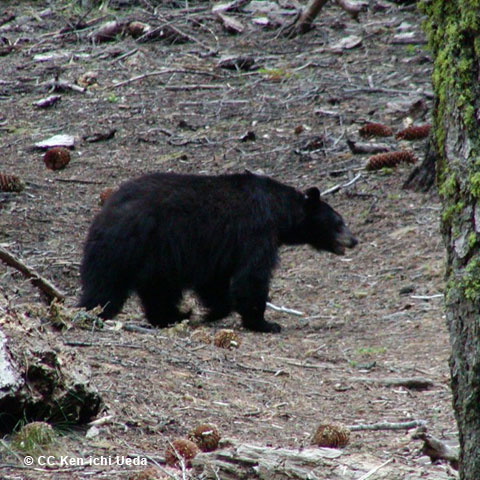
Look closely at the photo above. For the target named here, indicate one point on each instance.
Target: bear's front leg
(250, 293)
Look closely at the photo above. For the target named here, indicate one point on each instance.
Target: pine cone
(414, 133)
(206, 436)
(390, 159)
(10, 183)
(226, 338)
(375, 130)
(331, 436)
(183, 448)
(56, 158)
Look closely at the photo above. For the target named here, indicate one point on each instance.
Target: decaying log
(43, 284)
(263, 462)
(40, 382)
(238, 460)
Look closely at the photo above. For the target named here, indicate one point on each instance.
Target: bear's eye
(337, 223)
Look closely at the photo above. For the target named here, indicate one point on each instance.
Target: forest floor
(371, 315)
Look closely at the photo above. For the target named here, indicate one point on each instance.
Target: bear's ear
(312, 195)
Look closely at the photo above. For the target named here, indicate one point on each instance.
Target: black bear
(164, 233)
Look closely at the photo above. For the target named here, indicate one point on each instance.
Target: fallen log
(239, 460)
(40, 382)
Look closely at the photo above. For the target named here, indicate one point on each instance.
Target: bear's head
(324, 228)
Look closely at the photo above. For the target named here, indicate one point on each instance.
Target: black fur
(163, 233)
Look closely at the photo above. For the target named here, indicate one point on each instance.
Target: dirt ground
(373, 314)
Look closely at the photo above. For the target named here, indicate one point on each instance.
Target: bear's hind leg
(161, 307)
(251, 293)
(217, 300)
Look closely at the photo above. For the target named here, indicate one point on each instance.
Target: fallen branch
(187, 88)
(160, 72)
(132, 327)
(43, 284)
(59, 85)
(47, 102)
(387, 425)
(415, 383)
(359, 147)
(79, 180)
(438, 450)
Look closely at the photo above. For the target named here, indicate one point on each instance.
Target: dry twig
(285, 310)
(338, 187)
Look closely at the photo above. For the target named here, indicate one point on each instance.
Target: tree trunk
(422, 178)
(453, 30)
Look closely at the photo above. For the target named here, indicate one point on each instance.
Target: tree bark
(422, 178)
(453, 30)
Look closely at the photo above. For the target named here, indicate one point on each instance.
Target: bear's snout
(345, 239)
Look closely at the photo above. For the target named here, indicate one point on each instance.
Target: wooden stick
(357, 147)
(79, 180)
(387, 425)
(160, 72)
(43, 284)
(336, 188)
(285, 310)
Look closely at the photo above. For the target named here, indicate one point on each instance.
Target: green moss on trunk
(453, 31)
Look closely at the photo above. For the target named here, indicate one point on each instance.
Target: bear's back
(233, 196)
